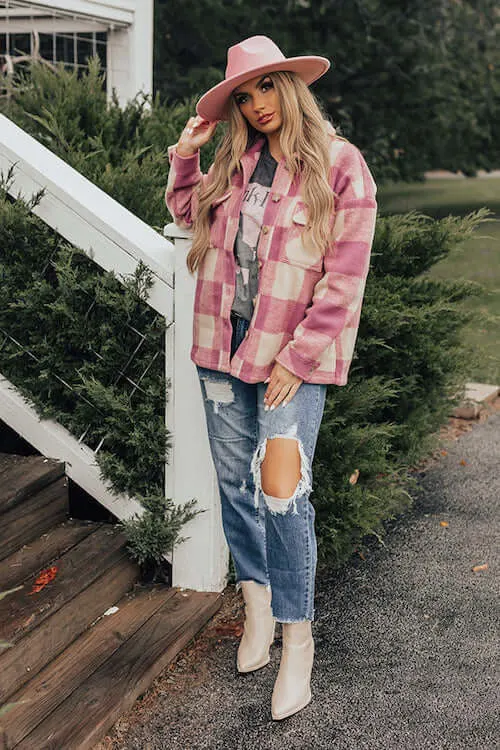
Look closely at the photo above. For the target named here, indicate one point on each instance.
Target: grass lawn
(477, 259)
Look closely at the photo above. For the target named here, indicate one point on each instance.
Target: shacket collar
(250, 158)
(282, 180)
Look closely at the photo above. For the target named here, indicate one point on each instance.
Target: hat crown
(252, 53)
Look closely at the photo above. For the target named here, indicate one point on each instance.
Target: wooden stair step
(84, 656)
(91, 575)
(39, 512)
(85, 715)
(24, 610)
(23, 476)
(44, 643)
(40, 553)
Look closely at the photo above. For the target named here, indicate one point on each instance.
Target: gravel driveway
(406, 641)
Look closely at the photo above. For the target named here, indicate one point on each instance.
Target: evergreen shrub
(409, 369)
(88, 351)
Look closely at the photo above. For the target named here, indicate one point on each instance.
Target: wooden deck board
(34, 516)
(23, 476)
(82, 719)
(41, 551)
(67, 671)
(22, 611)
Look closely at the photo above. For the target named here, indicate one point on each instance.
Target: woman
(283, 226)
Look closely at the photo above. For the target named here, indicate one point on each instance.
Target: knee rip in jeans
(219, 392)
(278, 505)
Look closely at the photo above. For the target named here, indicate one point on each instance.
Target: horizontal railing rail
(85, 215)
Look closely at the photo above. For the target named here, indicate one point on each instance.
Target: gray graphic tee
(247, 239)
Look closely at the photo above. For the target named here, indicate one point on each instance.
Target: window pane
(20, 44)
(65, 49)
(46, 46)
(84, 48)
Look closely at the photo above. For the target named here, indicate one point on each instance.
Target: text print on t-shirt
(252, 213)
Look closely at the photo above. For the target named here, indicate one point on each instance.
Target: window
(53, 36)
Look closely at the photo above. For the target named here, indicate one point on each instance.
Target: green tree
(415, 84)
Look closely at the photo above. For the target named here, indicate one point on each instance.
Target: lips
(265, 119)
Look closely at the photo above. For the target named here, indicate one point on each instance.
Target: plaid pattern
(308, 306)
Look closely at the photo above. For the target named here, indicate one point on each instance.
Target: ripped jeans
(272, 540)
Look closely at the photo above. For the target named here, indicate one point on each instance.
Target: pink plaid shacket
(308, 306)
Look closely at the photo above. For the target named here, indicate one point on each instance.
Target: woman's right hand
(196, 133)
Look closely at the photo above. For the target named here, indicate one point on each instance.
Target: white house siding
(120, 31)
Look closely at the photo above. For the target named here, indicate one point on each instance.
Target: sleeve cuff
(183, 165)
(301, 367)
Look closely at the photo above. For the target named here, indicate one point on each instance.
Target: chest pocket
(295, 251)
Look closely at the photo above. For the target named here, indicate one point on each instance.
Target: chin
(268, 129)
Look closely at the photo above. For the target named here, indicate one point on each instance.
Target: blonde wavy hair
(304, 142)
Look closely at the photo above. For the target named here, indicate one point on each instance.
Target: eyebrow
(236, 93)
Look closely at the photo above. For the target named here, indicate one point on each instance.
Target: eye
(266, 85)
(240, 98)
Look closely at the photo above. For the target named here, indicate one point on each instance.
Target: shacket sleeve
(339, 293)
(183, 178)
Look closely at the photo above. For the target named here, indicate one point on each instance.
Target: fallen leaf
(45, 577)
(229, 630)
(444, 523)
(354, 477)
(444, 453)
(463, 462)
(478, 568)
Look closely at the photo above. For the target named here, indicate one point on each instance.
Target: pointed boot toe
(292, 689)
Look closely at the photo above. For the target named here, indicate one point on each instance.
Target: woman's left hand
(283, 385)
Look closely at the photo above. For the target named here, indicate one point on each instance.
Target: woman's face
(259, 104)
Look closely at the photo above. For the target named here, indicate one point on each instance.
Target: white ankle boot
(259, 627)
(292, 689)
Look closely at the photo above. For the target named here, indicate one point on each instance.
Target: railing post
(201, 562)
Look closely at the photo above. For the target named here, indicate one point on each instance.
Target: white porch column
(130, 54)
(201, 562)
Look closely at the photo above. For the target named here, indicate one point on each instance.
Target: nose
(258, 103)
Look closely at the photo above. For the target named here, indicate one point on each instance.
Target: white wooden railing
(117, 240)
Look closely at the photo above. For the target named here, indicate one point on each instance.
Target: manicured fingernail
(266, 408)
(267, 380)
(272, 407)
(284, 403)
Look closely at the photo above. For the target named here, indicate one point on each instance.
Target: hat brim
(213, 105)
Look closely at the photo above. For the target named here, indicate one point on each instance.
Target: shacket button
(265, 229)
(276, 198)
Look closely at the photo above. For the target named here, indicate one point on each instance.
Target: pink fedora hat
(245, 60)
